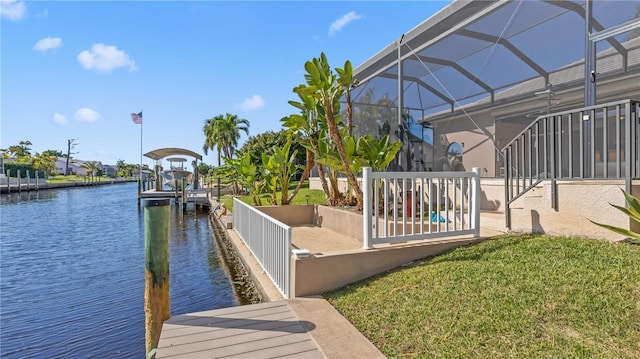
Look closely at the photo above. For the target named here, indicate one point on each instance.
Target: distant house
(109, 170)
(75, 166)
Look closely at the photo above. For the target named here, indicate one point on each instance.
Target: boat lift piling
(157, 296)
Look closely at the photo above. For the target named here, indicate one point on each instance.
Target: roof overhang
(453, 16)
(476, 54)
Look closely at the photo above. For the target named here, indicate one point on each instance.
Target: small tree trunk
(321, 174)
(323, 181)
(310, 163)
(335, 135)
(335, 190)
(349, 113)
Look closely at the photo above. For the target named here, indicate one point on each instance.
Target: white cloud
(343, 21)
(252, 103)
(12, 9)
(59, 119)
(86, 115)
(47, 43)
(43, 15)
(105, 58)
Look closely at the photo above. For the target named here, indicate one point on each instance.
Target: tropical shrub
(632, 211)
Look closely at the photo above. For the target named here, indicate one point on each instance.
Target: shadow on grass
(479, 251)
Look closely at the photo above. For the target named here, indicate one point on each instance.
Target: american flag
(137, 118)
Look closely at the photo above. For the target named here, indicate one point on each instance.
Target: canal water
(72, 272)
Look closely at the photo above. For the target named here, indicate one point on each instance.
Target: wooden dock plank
(222, 336)
(240, 344)
(265, 330)
(244, 311)
(271, 322)
(299, 349)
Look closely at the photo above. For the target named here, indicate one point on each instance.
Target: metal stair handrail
(589, 143)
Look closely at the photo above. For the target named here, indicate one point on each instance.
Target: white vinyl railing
(407, 206)
(269, 241)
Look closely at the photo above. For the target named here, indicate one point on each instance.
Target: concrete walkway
(334, 335)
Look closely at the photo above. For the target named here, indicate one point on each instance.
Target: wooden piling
(184, 195)
(157, 300)
(176, 189)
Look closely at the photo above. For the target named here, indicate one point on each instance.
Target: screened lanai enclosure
(516, 88)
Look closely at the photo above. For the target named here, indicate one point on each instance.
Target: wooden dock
(197, 196)
(265, 330)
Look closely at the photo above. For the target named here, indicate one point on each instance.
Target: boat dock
(306, 327)
(198, 196)
(266, 330)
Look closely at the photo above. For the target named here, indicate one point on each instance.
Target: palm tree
(21, 150)
(45, 162)
(121, 168)
(91, 167)
(223, 132)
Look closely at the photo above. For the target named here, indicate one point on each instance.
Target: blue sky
(77, 69)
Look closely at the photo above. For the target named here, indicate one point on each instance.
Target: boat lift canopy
(161, 153)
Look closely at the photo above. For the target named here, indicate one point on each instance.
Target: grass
(75, 178)
(315, 197)
(511, 297)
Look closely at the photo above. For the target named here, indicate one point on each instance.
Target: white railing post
(287, 264)
(366, 208)
(475, 201)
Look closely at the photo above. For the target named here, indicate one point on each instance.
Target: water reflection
(17, 197)
(72, 265)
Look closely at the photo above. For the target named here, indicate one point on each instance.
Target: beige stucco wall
(341, 221)
(492, 194)
(346, 222)
(320, 274)
(635, 191)
(578, 202)
(477, 143)
(291, 215)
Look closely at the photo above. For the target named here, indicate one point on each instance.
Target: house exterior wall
(579, 203)
(477, 142)
(61, 164)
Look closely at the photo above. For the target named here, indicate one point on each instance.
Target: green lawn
(511, 297)
(315, 197)
(75, 178)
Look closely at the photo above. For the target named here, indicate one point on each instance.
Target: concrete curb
(334, 335)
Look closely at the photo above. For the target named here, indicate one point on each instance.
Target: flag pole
(140, 172)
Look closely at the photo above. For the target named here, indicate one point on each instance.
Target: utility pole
(71, 144)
